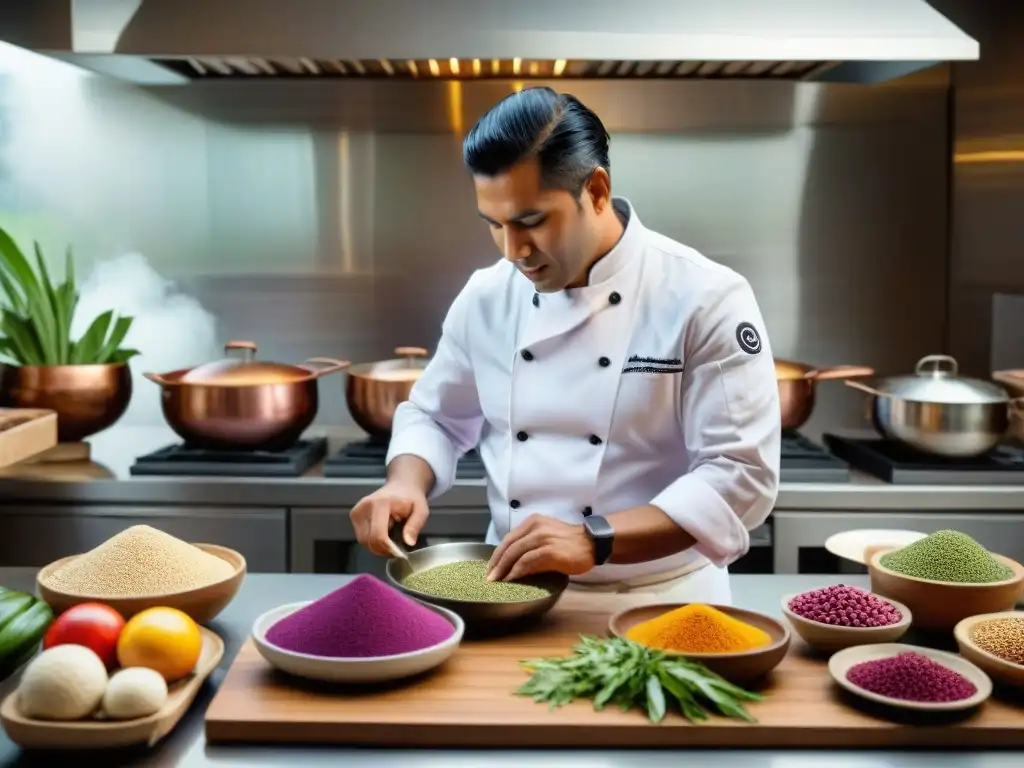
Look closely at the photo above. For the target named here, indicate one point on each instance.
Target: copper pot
(87, 398)
(1014, 381)
(240, 402)
(796, 387)
(375, 390)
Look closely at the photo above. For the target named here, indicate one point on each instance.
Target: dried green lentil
(467, 580)
(947, 556)
(1001, 637)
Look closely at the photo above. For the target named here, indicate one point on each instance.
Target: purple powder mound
(911, 677)
(364, 618)
(844, 606)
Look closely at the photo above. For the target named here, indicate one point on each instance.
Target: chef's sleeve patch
(748, 338)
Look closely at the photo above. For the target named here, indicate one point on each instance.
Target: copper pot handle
(1012, 380)
(156, 378)
(241, 345)
(834, 372)
(411, 352)
(330, 365)
(865, 388)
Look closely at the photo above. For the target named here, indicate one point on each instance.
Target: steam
(171, 330)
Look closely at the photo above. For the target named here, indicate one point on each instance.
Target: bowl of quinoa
(142, 567)
(838, 616)
(994, 642)
(944, 578)
(910, 677)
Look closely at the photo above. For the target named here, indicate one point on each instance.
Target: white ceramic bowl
(839, 664)
(830, 637)
(371, 669)
(858, 546)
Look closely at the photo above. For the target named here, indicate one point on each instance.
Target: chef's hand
(542, 544)
(393, 503)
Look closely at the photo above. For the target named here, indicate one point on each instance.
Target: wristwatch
(602, 534)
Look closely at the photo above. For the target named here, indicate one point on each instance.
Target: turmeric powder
(697, 628)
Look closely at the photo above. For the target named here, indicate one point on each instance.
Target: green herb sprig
(618, 672)
(35, 324)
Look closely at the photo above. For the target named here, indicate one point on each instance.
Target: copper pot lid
(239, 367)
(408, 366)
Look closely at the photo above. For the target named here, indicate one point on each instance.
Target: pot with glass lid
(375, 390)
(939, 412)
(240, 402)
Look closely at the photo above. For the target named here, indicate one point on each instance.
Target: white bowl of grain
(141, 568)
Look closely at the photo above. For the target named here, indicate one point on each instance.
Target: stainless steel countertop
(106, 480)
(186, 746)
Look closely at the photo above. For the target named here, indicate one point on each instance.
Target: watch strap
(603, 536)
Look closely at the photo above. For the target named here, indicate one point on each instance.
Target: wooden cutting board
(469, 702)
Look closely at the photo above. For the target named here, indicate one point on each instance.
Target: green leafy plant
(618, 672)
(35, 324)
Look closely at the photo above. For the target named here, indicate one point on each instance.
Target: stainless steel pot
(240, 402)
(374, 390)
(937, 411)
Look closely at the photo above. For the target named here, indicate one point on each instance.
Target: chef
(619, 386)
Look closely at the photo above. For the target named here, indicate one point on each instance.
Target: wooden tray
(25, 432)
(107, 734)
(469, 702)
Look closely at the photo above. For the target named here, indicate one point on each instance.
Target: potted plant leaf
(85, 380)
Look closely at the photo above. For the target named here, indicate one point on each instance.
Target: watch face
(599, 527)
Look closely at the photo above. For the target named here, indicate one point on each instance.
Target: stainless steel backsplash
(336, 218)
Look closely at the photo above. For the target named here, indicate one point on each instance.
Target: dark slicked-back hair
(569, 141)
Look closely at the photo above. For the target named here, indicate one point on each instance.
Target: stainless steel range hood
(182, 40)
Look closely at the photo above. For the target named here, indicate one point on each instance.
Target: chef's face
(549, 235)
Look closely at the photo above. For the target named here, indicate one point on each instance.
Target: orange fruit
(162, 639)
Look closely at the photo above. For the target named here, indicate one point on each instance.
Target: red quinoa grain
(843, 606)
(911, 677)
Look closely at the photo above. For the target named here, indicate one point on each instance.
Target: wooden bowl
(361, 670)
(202, 604)
(738, 667)
(829, 637)
(998, 669)
(841, 662)
(939, 605)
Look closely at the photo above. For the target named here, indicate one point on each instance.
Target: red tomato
(94, 625)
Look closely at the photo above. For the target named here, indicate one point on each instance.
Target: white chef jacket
(652, 384)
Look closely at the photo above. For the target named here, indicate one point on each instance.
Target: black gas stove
(806, 462)
(182, 459)
(366, 459)
(900, 465)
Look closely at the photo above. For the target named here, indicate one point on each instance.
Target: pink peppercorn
(844, 606)
(911, 677)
